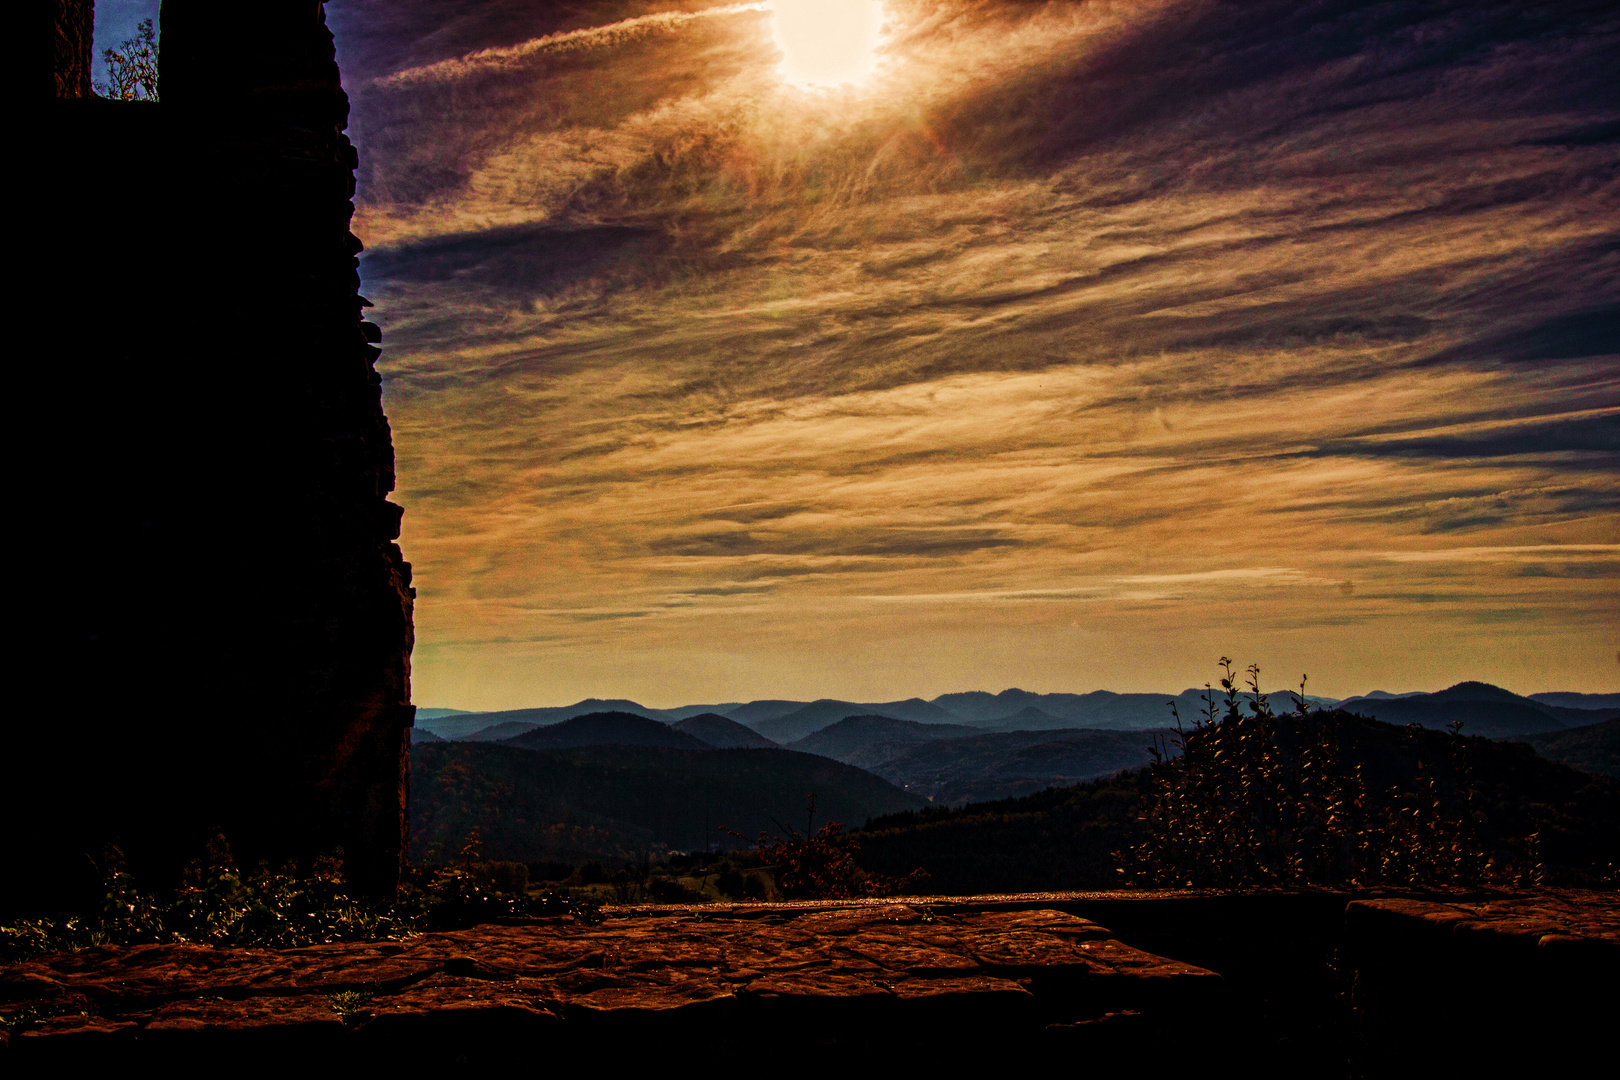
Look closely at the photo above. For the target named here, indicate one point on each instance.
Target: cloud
(1140, 308)
(1522, 553)
(510, 57)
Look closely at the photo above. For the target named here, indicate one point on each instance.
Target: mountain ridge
(1096, 709)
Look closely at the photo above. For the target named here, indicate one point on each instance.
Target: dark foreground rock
(803, 983)
(1509, 986)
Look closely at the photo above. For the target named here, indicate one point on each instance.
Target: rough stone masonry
(212, 619)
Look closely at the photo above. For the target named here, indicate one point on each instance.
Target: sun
(826, 42)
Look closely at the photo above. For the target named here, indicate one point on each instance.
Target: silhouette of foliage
(219, 904)
(1300, 797)
(132, 67)
(820, 865)
(1254, 798)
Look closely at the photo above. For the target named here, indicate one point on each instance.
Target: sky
(1069, 345)
(117, 21)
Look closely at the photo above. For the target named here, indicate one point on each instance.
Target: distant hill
(462, 725)
(810, 718)
(868, 741)
(787, 721)
(1097, 709)
(420, 735)
(723, 734)
(425, 713)
(1567, 700)
(978, 706)
(619, 802)
(1029, 718)
(1009, 764)
(508, 729)
(607, 729)
(1483, 709)
(958, 763)
(914, 709)
(754, 712)
(684, 712)
(1594, 748)
(457, 726)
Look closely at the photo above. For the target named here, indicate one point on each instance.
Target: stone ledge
(1500, 986)
(899, 975)
(1520, 923)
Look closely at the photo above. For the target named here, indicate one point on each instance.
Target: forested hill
(620, 802)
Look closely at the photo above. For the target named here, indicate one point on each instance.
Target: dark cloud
(1573, 336)
(1553, 435)
(908, 543)
(524, 260)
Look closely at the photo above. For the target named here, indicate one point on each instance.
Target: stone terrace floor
(941, 981)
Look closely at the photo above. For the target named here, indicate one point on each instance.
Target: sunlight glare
(826, 42)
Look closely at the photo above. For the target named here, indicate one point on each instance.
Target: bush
(1258, 799)
(218, 904)
(132, 68)
(756, 886)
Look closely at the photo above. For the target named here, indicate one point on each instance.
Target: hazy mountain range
(1483, 709)
(617, 782)
(977, 746)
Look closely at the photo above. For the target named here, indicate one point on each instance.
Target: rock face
(803, 983)
(72, 29)
(1493, 988)
(208, 467)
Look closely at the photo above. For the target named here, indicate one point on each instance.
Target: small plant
(132, 67)
(350, 1005)
(219, 904)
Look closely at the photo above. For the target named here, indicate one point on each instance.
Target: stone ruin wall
(217, 618)
(72, 26)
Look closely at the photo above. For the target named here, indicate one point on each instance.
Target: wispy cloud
(1521, 553)
(505, 58)
(1183, 328)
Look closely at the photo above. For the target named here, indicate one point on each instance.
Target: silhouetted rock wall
(217, 620)
(1501, 986)
(73, 23)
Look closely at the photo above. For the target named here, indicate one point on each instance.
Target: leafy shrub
(469, 891)
(132, 67)
(756, 886)
(1254, 798)
(218, 904)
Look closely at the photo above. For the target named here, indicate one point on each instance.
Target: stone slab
(867, 973)
(1499, 986)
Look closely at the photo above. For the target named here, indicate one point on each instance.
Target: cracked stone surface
(894, 967)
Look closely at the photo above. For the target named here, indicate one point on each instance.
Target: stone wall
(215, 619)
(1159, 984)
(73, 22)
